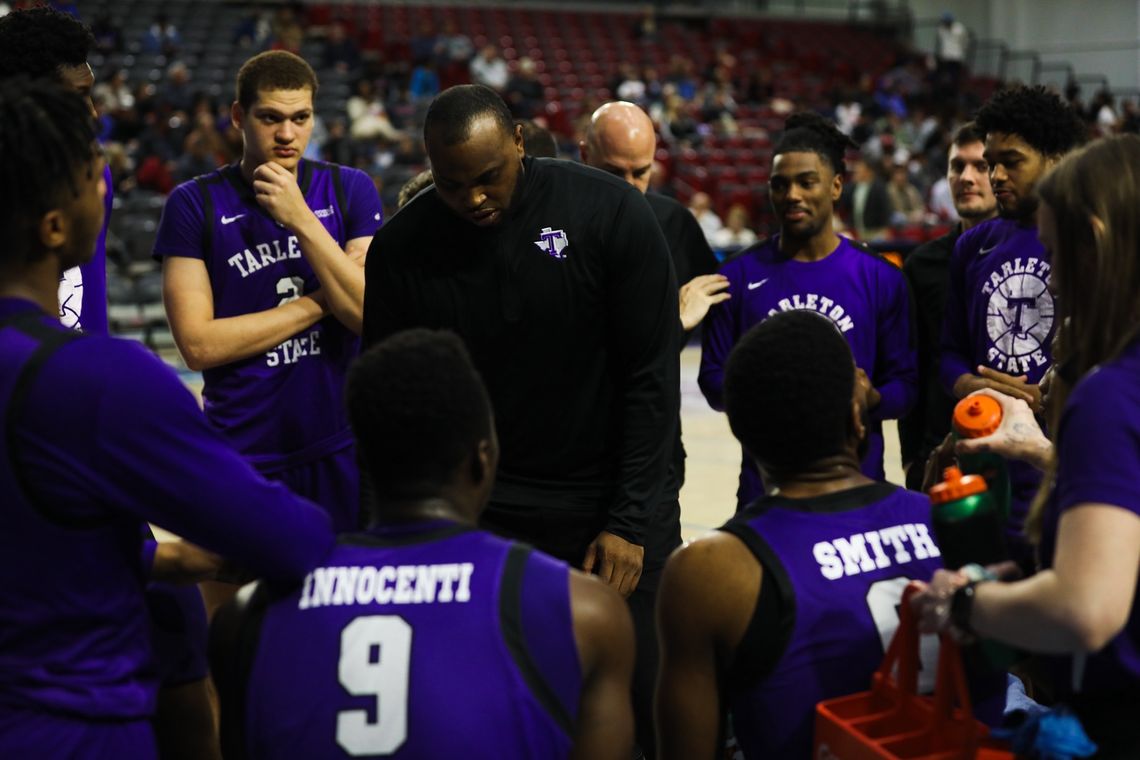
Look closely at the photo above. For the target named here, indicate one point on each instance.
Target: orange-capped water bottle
(966, 521)
(976, 417)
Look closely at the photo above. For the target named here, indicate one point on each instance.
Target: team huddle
(431, 494)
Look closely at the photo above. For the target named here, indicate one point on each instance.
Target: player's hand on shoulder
(699, 294)
(276, 190)
(616, 561)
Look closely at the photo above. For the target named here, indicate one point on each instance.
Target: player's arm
(718, 336)
(708, 594)
(341, 272)
(154, 455)
(644, 325)
(896, 362)
(206, 341)
(603, 632)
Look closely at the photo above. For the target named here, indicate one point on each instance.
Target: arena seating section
(577, 55)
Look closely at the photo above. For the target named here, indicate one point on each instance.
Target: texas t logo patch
(553, 242)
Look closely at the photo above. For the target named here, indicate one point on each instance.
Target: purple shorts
(332, 482)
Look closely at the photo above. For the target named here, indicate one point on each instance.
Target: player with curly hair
(808, 266)
(997, 331)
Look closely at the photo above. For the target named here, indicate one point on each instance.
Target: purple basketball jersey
(283, 407)
(427, 641)
(83, 289)
(1000, 314)
(841, 562)
(863, 295)
(102, 436)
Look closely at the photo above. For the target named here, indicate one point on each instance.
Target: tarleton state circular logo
(1019, 316)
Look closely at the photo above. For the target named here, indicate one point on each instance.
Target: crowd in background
(161, 130)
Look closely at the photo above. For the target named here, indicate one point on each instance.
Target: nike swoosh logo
(754, 285)
(984, 251)
(228, 219)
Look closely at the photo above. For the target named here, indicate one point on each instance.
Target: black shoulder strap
(510, 620)
(208, 208)
(338, 187)
(51, 340)
(764, 643)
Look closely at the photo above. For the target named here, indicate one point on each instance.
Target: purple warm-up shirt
(1000, 314)
(102, 435)
(864, 295)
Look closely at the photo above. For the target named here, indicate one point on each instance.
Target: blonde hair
(1093, 194)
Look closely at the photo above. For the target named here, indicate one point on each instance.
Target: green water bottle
(970, 530)
(977, 417)
(966, 521)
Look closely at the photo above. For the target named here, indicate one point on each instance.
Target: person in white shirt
(490, 69)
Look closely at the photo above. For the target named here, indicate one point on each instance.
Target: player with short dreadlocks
(808, 266)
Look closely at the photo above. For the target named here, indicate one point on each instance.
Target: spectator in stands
(162, 37)
(701, 207)
(288, 34)
(735, 234)
(424, 83)
(809, 266)
(1028, 130)
(1079, 612)
(340, 51)
(524, 92)
(177, 94)
(338, 147)
(453, 46)
(1102, 113)
(116, 94)
(367, 118)
(254, 31)
(906, 202)
(197, 159)
(423, 43)
(868, 203)
(953, 42)
(490, 69)
(628, 84)
(927, 271)
(677, 121)
(759, 619)
(453, 53)
(108, 35)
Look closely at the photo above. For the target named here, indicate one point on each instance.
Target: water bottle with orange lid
(976, 417)
(966, 521)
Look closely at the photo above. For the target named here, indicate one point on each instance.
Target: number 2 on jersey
(375, 652)
(883, 599)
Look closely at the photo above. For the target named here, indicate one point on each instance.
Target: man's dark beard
(1024, 211)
